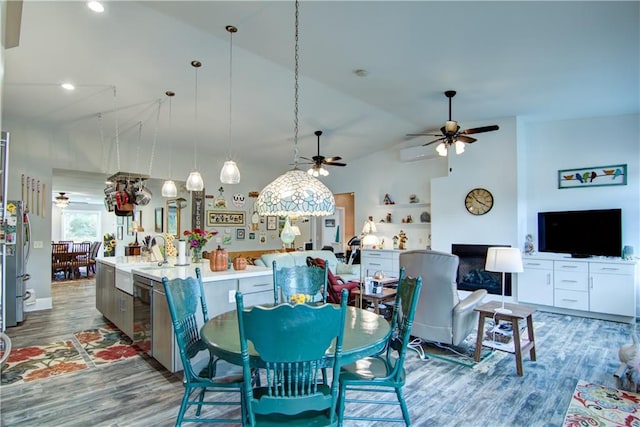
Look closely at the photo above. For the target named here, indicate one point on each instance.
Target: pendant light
(195, 182)
(169, 188)
(296, 193)
(230, 174)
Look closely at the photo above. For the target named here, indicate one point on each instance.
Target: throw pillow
(311, 262)
(343, 268)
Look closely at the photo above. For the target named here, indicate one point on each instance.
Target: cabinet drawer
(249, 285)
(377, 255)
(572, 299)
(374, 265)
(611, 268)
(537, 264)
(571, 281)
(582, 267)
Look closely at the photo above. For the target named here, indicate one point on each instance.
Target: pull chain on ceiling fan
(319, 161)
(451, 135)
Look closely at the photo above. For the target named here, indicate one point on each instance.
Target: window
(80, 226)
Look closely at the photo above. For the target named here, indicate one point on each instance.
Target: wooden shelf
(402, 224)
(406, 205)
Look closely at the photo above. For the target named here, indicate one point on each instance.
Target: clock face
(479, 201)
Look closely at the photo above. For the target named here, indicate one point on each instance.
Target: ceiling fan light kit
(62, 201)
(317, 169)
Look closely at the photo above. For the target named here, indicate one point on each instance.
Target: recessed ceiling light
(96, 6)
(67, 86)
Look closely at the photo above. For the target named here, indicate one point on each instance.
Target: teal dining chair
(183, 298)
(294, 343)
(299, 280)
(384, 373)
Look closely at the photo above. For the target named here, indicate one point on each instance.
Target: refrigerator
(15, 256)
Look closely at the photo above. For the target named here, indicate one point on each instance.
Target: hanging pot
(219, 259)
(143, 196)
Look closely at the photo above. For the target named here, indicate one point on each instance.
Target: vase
(196, 255)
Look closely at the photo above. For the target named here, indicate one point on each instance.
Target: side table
(517, 345)
(388, 294)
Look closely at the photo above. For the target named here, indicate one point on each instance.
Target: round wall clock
(479, 201)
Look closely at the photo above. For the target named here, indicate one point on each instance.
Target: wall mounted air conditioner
(420, 152)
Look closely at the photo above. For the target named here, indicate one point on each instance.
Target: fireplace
(471, 272)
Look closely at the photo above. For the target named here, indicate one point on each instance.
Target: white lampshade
(459, 147)
(442, 149)
(296, 193)
(169, 189)
(230, 174)
(296, 230)
(288, 234)
(369, 240)
(504, 260)
(369, 226)
(195, 182)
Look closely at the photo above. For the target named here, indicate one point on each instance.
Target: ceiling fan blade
(335, 164)
(479, 130)
(434, 141)
(305, 158)
(332, 159)
(466, 139)
(422, 134)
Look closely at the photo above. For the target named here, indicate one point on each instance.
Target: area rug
(461, 355)
(106, 344)
(597, 405)
(42, 361)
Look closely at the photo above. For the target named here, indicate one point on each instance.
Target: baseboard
(41, 304)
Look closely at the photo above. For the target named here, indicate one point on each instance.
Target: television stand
(580, 256)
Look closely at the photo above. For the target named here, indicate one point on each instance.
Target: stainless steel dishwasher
(143, 313)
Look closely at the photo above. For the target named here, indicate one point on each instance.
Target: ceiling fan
(451, 135)
(319, 161)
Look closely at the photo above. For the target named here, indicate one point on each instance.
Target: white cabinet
(535, 284)
(602, 286)
(380, 260)
(612, 289)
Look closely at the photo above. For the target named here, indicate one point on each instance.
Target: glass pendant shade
(317, 171)
(288, 235)
(459, 147)
(169, 189)
(296, 193)
(442, 149)
(195, 182)
(230, 174)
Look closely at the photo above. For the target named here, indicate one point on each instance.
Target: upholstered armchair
(440, 316)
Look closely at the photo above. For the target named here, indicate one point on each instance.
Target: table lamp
(503, 260)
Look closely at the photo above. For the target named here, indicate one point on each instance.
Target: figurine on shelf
(413, 199)
(409, 219)
(389, 217)
(395, 242)
(528, 245)
(387, 200)
(402, 240)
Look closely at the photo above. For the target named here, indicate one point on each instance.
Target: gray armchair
(440, 315)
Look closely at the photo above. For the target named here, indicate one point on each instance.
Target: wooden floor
(139, 392)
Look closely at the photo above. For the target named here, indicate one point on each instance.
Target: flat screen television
(581, 233)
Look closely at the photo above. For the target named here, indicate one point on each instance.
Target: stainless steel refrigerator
(15, 256)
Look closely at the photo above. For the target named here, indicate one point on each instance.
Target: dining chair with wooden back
(384, 373)
(299, 280)
(294, 343)
(185, 297)
(93, 254)
(59, 261)
(81, 253)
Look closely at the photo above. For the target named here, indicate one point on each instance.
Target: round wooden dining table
(365, 334)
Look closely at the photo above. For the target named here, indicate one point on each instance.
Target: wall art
(596, 176)
(240, 233)
(272, 223)
(215, 218)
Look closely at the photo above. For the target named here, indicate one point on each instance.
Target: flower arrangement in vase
(196, 240)
(109, 244)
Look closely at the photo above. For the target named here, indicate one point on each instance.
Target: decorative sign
(592, 177)
(197, 209)
(238, 200)
(216, 218)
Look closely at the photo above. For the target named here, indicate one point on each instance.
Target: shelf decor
(596, 176)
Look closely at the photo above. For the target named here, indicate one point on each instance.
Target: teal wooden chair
(384, 373)
(294, 343)
(183, 297)
(300, 279)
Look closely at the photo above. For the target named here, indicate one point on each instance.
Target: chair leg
(341, 395)
(183, 405)
(403, 406)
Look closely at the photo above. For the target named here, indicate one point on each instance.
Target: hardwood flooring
(139, 392)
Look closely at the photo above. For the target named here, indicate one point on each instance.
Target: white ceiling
(534, 60)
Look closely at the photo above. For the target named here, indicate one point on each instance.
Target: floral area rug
(597, 405)
(87, 349)
(41, 361)
(106, 344)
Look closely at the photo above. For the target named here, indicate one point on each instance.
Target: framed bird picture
(596, 176)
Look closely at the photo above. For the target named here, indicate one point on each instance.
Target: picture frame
(330, 222)
(594, 176)
(252, 236)
(119, 233)
(159, 216)
(221, 218)
(172, 220)
(272, 223)
(120, 220)
(240, 233)
(130, 226)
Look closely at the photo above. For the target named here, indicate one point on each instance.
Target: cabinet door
(373, 261)
(100, 273)
(220, 296)
(163, 340)
(613, 294)
(256, 290)
(536, 286)
(125, 307)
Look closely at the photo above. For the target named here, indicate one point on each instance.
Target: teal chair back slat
(300, 279)
(295, 343)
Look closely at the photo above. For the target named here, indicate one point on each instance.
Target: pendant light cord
(155, 137)
(296, 90)
(170, 94)
(230, 86)
(117, 129)
(196, 65)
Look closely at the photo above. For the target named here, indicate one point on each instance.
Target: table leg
(532, 351)
(376, 308)
(479, 337)
(517, 346)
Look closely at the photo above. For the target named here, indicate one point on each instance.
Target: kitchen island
(130, 294)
